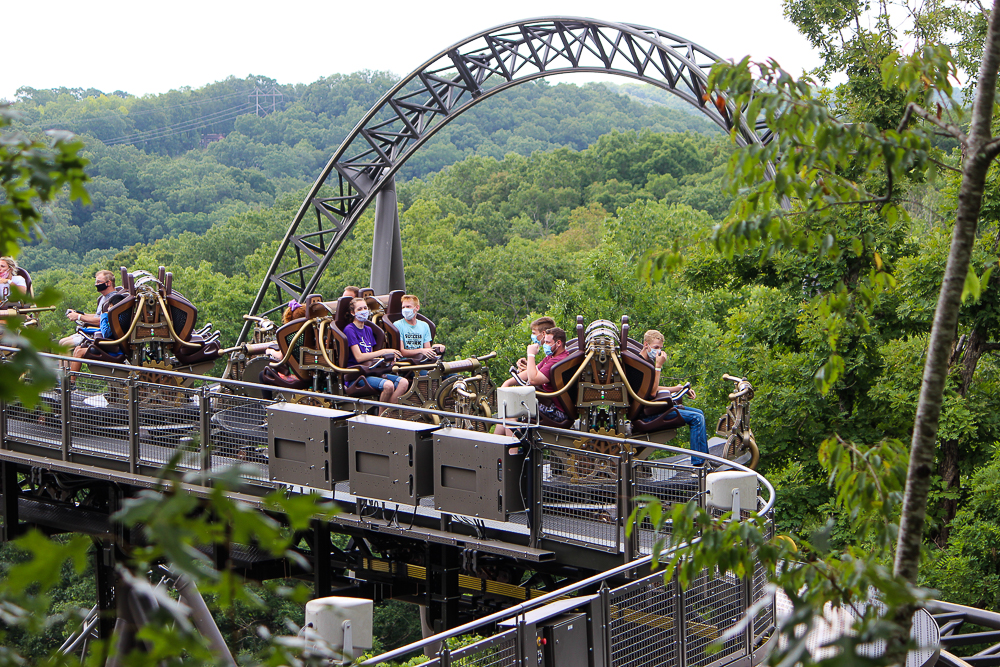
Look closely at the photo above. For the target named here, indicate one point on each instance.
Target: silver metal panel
(307, 445)
(391, 459)
(476, 474)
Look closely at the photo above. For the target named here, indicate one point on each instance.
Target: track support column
(11, 492)
(443, 566)
(322, 581)
(66, 407)
(387, 245)
(104, 573)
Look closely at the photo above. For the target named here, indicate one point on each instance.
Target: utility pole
(265, 101)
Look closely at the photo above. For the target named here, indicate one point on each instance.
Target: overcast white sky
(145, 48)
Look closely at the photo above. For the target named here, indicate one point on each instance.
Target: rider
(554, 346)
(104, 283)
(538, 329)
(9, 278)
(652, 351)
(361, 348)
(415, 334)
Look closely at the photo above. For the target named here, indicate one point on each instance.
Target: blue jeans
(698, 438)
(376, 382)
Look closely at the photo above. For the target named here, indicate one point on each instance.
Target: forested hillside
(155, 176)
(545, 200)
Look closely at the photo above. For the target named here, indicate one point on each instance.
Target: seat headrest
(342, 317)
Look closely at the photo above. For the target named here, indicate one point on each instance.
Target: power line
(131, 114)
(184, 126)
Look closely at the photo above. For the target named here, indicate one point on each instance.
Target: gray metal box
(475, 474)
(307, 445)
(391, 459)
(573, 631)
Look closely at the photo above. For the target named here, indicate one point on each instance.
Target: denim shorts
(377, 382)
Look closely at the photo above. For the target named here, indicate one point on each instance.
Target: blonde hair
(410, 297)
(11, 264)
(104, 274)
(652, 335)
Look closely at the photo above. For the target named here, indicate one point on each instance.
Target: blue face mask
(547, 349)
(408, 313)
(653, 354)
(362, 315)
(534, 340)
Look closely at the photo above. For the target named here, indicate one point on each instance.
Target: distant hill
(189, 159)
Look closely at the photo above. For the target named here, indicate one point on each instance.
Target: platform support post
(322, 582)
(626, 493)
(132, 390)
(205, 414)
(444, 566)
(535, 492)
(605, 601)
(682, 638)
(3, 425)
(104, 572)
(11, 491)
(66, 408)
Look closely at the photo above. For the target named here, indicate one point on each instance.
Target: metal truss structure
(362, 169)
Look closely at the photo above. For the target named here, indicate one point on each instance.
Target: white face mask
(653, 353)
(408, 313)
(361, 315)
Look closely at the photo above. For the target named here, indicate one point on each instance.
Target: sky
(150, 48)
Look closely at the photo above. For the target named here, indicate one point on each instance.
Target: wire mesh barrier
(713, 604)
(670, 483)
(580, 491)
(99, 416)
(763, 620)
(169, 425)
(644, 623)
(40, 425)
(238, 433)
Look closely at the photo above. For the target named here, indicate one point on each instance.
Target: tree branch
(915, 110)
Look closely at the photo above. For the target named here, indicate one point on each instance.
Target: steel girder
(451, 82)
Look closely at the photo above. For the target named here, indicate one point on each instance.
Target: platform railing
(650, 621)
(128, 425)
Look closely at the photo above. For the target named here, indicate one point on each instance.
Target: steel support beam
(362, 169)
(105, 554)
(443, 592)
(11, 492)
(387, 245)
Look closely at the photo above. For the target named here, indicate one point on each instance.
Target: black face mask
(101, 286)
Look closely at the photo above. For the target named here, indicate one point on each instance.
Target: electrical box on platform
(567, 633)
(307, 445)
(391, 459)
(478, 474)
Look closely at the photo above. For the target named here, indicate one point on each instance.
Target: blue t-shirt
(106, 326)
(414, 336)
(363, 338)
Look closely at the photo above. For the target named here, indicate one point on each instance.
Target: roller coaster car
(605, 387)
(153, 329)
(314, 351)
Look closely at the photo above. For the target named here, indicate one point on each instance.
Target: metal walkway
(118, 430)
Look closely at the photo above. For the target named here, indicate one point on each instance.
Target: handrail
(131, 328)
(430, 411)
(288, 353)
(642, 401)
(170, 323)
(571, 381)
(326, 357)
